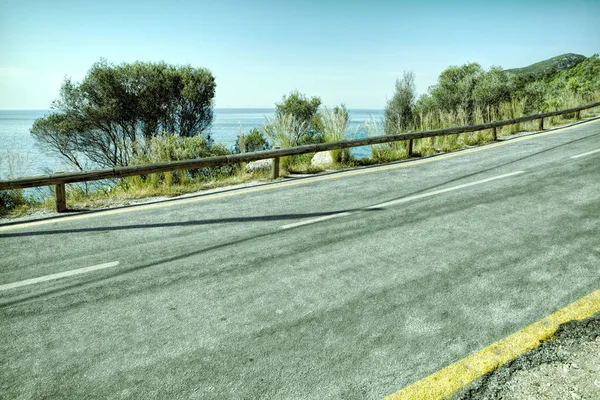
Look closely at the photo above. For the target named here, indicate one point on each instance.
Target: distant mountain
(548, 67)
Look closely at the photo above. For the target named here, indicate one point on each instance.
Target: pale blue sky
(343, 51)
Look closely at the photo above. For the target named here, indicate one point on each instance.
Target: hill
(547, 67)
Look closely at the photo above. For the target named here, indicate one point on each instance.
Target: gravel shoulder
(566, 367)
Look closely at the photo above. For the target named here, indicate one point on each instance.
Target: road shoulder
(451, 379)
(565, 367)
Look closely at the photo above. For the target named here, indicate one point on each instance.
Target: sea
(21, 156)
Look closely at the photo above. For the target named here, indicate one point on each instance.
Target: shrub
(174, 148)
(253, 141)
(455, 88)
(285, 130)
(305, 112)
(303, 109)
(534, 94)
(10, 199)
(492, 88)
(335, 123)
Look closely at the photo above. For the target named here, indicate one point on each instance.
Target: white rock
(322, 158)
(259, 165)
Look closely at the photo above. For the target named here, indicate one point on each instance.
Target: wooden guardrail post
(275, 166)
(541, 124)
(494, 134)
(577, 115)
(409, 147)
(61, 197)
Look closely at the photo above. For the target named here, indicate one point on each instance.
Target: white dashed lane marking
(403, 200)
(57, 276)
(586, 154)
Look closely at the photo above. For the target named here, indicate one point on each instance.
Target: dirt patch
(566, 367)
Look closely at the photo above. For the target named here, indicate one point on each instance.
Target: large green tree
(111, 115)
(455, 87)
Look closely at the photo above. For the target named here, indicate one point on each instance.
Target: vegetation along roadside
(140, 113)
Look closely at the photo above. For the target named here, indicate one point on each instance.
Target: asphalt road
(349, 285)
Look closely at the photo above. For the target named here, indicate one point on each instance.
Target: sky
(347, 52)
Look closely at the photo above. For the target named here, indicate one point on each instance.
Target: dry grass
(335, 124)
(110, 195)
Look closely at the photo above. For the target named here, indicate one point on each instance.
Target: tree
(305, 112)
(454, 89)
(534, 94)
(398, 114)
(493, 87)
(113, 113)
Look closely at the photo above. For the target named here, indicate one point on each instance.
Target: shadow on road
(112, 273)
(262, 218)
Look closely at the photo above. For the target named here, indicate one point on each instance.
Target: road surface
(349, 285)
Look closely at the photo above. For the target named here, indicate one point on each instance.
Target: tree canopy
(111, 115)
(493, 87)
(467, 87)
(455, 87)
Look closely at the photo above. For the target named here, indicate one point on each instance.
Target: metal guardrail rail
(60, 179)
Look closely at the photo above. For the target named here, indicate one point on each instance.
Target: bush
(285, 130)
(492, 88)
(534, 94)
(173, 148)
(335, 123)
(455, 87)
(304, 110)
(305, 113)
(10, 199)
(253, 141)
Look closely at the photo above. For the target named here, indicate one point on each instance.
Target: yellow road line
(343, 174)
(450, 379)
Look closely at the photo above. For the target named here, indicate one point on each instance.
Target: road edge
(450, 379)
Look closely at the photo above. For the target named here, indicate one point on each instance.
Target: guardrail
(61, 179)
